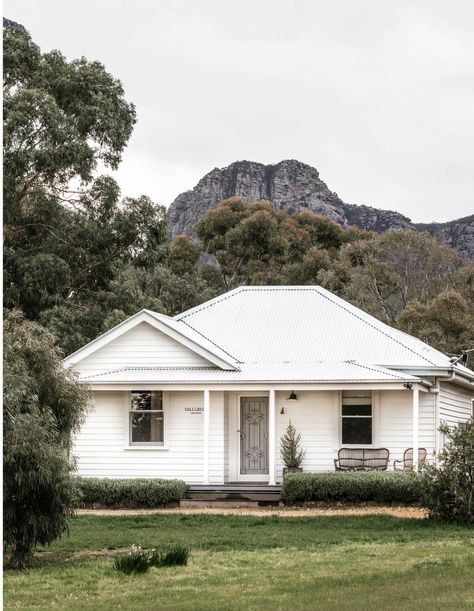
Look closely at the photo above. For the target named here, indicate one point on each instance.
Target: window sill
(147, 449)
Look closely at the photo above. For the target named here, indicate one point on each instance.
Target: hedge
(133, 493)
(352, 487)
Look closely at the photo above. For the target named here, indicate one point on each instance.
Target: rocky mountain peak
(292, 186)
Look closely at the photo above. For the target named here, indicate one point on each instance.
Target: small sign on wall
(194, 410)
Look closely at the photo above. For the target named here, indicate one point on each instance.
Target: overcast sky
(376, 94)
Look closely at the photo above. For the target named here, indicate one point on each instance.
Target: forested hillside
(80, 256)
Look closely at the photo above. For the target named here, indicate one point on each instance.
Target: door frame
(234, 438)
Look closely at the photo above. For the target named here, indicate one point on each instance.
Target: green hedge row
(133, 493)
(351, 487)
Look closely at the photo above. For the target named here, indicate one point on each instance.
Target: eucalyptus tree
(68, 233)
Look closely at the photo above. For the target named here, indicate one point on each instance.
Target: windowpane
(357, 431)
(146, 400)
(357, 410)
(146, 428)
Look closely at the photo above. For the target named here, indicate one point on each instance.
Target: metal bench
(406, 464)
(362, 459)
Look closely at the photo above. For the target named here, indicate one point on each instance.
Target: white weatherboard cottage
(204, 396)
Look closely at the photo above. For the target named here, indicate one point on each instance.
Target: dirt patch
(287, 512)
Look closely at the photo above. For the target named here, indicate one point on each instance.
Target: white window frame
(146, 445)
(375, 398)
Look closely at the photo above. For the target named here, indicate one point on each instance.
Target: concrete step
(228, 503)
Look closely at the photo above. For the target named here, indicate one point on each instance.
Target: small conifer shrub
(291, 453)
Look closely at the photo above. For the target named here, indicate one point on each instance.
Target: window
(356, 418)
(146, 418)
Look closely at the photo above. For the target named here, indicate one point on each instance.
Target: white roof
(279, 334)
(277, 373)
(305, 324)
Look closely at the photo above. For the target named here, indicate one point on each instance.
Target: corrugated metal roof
(268, 372)
(304, 324)
(194, 336)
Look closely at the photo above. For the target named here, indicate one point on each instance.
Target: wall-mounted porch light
(293, 396)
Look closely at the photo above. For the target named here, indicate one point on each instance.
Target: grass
(246, 562)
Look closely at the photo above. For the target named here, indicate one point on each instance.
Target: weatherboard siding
(100, 445)
(395, 430)
(455, 403)
(313, 417)
(142, 346)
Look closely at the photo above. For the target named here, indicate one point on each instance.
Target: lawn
(246, 562)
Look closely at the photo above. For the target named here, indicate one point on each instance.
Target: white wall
(396, 423)
(455, 403)
(100, 445)
(314, 415)
(142, 346)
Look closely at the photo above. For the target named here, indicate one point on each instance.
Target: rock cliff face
(458, 234)
(292, 186)
(8, 23)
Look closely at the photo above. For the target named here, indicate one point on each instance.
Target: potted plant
(290, 452)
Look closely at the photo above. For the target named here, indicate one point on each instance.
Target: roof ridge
(210, 341)
(330, 297)
(239, 289)
(378, 369)
(207, 304)
(314, 287)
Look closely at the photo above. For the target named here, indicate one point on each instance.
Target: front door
(253, 436)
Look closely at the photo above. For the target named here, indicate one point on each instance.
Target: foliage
(175, 555)
(255, 244)
(447, 321)
(136, 561)
(351, 487)
(448, 489)
(130, 492)
(139, 560)
(69, 237)
(394, 268)
(290, 452)
(43, 407)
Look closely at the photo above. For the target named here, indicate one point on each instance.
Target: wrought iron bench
(406, 464)
(362, 459)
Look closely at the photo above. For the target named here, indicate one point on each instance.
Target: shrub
(131, 493)
(136, 561)
(448, 490)
(351, 487)
(139, 560)
(43, 407)
(290, 452)
(176, 555)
